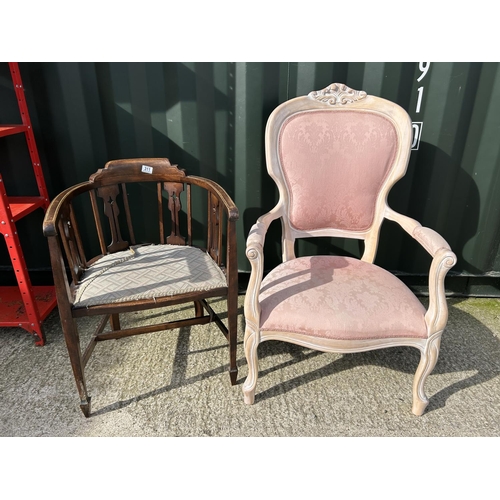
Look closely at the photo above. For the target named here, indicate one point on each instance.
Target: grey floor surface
(175, 383)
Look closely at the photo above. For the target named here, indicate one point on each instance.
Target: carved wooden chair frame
(336, 98)
(65, 240)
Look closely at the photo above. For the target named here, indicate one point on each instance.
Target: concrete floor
(175, 384)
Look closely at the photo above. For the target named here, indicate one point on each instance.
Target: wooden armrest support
(257, 234)
(437, 313)
(232, 210)
(443, 259)
(255, 254)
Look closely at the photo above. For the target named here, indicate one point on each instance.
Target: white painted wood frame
(338, 98)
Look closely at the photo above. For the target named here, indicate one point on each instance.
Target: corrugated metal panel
(210, 119)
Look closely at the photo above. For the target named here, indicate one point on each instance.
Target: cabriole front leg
(252, 310)
(428, 359)
(250, 344)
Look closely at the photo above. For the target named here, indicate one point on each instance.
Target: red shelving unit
(24, 306)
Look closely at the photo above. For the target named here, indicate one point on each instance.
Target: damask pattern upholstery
(352, 154)
(339, 298)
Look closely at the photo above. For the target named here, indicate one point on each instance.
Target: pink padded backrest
(335, 163)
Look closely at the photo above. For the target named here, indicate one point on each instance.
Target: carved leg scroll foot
(251, 343)
(248, 396)
(428, 360)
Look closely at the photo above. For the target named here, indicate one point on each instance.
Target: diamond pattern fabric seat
(148, 272)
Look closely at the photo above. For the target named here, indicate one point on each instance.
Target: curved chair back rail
(135, 203)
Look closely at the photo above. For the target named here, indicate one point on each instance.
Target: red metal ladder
(24, 306)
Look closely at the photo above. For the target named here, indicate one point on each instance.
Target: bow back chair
(334, 155)
(122, 275)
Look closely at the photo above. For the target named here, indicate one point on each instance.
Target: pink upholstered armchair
(334, 155)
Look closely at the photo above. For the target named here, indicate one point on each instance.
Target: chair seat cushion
(147, 272)
(340, 298)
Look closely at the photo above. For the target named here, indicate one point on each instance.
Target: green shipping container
(209, 118)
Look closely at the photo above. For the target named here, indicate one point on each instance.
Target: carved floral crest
(337, 94)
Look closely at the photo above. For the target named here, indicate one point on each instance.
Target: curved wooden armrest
(428, 238)
(51, 216)
(443, 259)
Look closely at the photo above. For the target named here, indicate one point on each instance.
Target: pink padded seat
(339, 298)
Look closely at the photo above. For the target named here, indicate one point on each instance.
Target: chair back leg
(232, 320)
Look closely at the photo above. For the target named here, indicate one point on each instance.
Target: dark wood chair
(126, 276)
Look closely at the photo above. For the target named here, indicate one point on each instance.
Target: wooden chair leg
(198, 309)
(114, 321)
(251, 343)
(72, 339)
(232, 321)
(428, 360)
